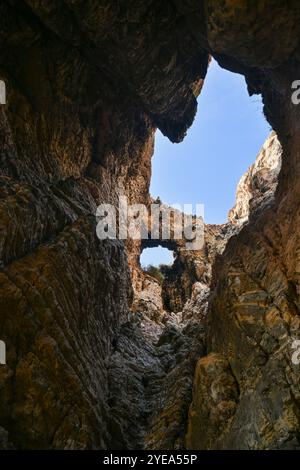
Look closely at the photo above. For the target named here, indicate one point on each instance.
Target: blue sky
(227, 134)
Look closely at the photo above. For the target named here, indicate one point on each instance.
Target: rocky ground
(151, 372)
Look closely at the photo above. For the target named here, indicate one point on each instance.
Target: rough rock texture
(194, 245)
(191, 266)
(66, 146)
(252, 322)
(259, 183)
(151, 372)
(148, 298)
(54, 386)
(215, 400)
(196, 307)
(87, 85)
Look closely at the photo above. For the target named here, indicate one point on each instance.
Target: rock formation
(259, 182)
(157, 348)
(246, 388)
(89, 363)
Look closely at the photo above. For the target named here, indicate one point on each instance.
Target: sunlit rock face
(87, 85)
(259, 183)
(245, 388)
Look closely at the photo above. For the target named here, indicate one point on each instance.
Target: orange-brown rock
(259, 183)
(87, 85)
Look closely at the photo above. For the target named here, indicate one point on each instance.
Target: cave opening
(156, 256)
(157, 262)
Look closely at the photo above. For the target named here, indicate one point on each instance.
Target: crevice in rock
(152, 368)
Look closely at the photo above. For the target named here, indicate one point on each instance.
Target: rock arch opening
(156, 257)
(230, 161)
(226, 136)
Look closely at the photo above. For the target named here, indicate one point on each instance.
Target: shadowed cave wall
(87, 85)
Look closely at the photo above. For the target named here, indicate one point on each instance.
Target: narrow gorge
(100, 354)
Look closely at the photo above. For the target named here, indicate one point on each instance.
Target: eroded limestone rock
(259, 183)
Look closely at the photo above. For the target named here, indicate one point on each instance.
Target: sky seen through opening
(224, 140)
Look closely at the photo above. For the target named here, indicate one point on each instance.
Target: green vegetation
(158, 272)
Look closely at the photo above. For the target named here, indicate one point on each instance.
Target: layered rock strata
(87, 85)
